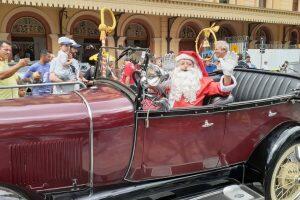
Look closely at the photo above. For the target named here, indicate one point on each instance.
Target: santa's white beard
(185, 83)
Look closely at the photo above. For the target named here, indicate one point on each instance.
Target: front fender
(266, 151)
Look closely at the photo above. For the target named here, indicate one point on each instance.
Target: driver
(190, 83)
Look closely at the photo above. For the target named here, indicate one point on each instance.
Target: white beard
(185, 83)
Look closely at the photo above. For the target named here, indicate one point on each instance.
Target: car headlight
(9, 194)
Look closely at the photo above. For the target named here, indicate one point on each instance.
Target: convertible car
(98, 143)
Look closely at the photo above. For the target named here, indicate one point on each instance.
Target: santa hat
(194, 57)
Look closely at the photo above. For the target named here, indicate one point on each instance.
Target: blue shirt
(44, 71)
(211, 68)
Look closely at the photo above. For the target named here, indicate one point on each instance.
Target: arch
(85, 28)
(294, 37)
(288, 32)
(27, 25)
(188, 34)
(83, 15)
(224, 32)
(264, 28)
(179, 23)
(137, 35)
(140, 19)
(29, 44)
(228, 27)
(27, 12)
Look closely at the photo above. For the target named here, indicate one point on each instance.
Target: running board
(232, 192)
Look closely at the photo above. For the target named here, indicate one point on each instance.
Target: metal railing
(41, 84)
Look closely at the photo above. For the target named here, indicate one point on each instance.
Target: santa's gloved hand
(228, 64)
(227, 67)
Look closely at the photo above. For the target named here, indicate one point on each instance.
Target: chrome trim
(114, 193)
(271, 114)
(68, 188)
(133, 148)
(207, 124)
(43, 84)
(91, 138)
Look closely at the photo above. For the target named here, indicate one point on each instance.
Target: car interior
(253, 85)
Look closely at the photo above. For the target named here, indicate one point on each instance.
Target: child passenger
(63, 53)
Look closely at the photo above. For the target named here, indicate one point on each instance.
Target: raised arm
(12, 70)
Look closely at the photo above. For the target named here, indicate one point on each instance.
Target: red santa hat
(194, 57)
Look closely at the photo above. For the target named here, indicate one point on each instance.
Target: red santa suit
(194, 93)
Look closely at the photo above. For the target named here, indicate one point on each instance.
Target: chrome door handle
(272, 114)
(207, 124)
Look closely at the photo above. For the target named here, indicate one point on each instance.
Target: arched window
(137, 36)
(262, 3)
(294, 38)
(223, 33)
(28, 38)
(187, 34)
(85, 33)
(86, 28)
(263, 33)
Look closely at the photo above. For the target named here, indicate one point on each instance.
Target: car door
(177, 142)
(249, 123)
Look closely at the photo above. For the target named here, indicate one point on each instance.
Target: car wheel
(282, 180)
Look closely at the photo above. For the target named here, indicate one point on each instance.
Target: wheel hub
(288, 175)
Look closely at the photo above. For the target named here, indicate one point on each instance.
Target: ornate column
(121, 41)
(110, 42)
(54, 42)
(174, 45)
(157, 47)
(4, 36)
(164, 34)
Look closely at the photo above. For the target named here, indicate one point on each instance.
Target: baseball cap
(74, 44)
(64, 40)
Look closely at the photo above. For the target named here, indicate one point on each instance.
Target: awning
(180, 8)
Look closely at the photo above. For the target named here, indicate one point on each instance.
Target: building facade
(162, 25)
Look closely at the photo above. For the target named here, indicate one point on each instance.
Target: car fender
(265, 152)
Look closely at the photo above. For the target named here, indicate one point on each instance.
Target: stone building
(162, 25)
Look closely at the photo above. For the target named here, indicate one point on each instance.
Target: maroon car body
(98, 138)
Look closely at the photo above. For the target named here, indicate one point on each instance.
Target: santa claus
(190, 83)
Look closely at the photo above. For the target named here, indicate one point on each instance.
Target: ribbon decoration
(104, 28)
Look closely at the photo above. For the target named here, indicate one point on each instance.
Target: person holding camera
(8, 75)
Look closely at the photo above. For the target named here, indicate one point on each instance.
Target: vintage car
(98, 142)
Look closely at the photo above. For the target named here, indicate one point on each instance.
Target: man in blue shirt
(39, 73)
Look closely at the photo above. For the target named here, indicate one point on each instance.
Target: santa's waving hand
(190, 83)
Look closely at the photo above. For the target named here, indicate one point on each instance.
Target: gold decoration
(105, 54)
(104, 28)
(207, 32)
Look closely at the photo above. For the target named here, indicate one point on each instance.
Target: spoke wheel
(285, 181)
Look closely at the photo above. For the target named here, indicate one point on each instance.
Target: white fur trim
(227, 88)
(185, 57)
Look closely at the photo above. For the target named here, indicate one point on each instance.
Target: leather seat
(257, 84)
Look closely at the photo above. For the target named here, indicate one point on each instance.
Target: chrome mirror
(154, 75)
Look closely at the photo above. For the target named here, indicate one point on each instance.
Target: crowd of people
(188, 85)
